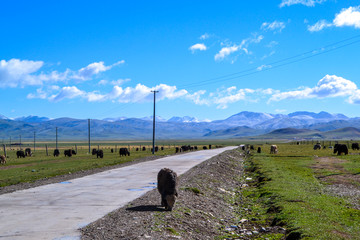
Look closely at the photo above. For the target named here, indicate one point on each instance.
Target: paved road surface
(57, 211)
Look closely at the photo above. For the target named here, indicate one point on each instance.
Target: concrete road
(57, 211)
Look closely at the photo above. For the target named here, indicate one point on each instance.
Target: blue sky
(207, 59)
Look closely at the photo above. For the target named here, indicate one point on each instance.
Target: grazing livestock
(196, 148)
(355, 146)
(167, 186)
(137, 149)
(209, 146)
(341, 148)
(20, 154)
(68, 153)
(259, 150)
(144, 148)
(2, 159)
(204, 147)
(242, 146)
(124, 152)
(73, 152)
(273, 149)
(56, 152)
(176, 149)
(317, 146)
(94, 151)
(100, 153)
(252, 147)
(112, 150)
(28, 152)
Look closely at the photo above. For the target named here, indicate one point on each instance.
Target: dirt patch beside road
(339, 181)
(207, 208)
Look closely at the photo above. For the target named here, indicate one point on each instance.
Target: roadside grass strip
(300, 199)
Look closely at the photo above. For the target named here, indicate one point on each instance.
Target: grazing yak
(273, 149)
(144, 148)
(20, 154)
(2, 159)
(204, 147)
(28, 152)
(196, 148)
(68, 153)
(259, 150)
(73, 152)
(341, 148)
(56, 152)
(177, 149)
(112, 150)
(100, 153)
(94, 151)
(124, 152)
(355, 146)
(317, 146)
(167, 186)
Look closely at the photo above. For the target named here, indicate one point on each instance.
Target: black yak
(68, 153)
(73, 152)
(56, 152)
(341, 148)
(317, 146)
(2, 159)
(167, 186)
(124, 152)
(259, 150)
(20, 154)
(94, 151)
(355, 146)
(100, 153)
(28, 152)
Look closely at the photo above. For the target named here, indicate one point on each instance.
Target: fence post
(47, 153)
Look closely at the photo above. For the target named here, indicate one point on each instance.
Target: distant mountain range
(244, 124)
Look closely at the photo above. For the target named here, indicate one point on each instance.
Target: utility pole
(56, 138)
(153, 142)
(89, 133)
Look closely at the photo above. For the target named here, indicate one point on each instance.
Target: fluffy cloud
(275, 26)
(67, 92)
(18, 73)
(139, 93)
(232, 48)
(198, 46)
(308, 3)
(204, 36)
(226, 51)
(347, 17)
(328, 86)
(87, 72)
(260, 68)
(320, 25)
(21, 73)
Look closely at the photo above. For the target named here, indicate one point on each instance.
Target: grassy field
(40, 165)
(291, 188)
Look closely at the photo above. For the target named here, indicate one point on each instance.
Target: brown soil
(339, 181)
(206, 208)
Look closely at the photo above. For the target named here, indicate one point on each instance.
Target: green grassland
(40, 165)
(289, 189)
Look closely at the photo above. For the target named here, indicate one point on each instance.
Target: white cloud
(226, 51)
(103, 82)
(198, 46)
(308, 3)
(347, 17)
(260, 68)
(120, 81)
(320, 25)
(274, 26)
(232, 48)
(21, 73)
(87, 72)
(67, 93)
(204, 36)
(328, 86)
(18, 73)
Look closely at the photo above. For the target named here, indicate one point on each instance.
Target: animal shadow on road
(146, 208)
